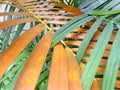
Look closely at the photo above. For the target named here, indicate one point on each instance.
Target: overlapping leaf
(31, 71)
(9, 55)
(58, 78)
(14, 22)
(73, 71)
(112, 66)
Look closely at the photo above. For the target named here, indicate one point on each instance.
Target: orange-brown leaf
(73, 71)
(15, 13)
(32, 69)
(58, 79)
(70, 9)
(10, 54)
(10, 23)
(117, 84)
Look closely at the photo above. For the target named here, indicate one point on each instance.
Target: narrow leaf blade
(73, 71)
(10, 23)
(86, 40)
(58, 79)
(68, 8)
(93, 63)
(10, 54)
(69, 27)
(32, 69)
(112, 66)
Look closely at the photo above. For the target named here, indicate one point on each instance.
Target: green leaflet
(13, 71)
(68, 24)
(86, 40)
(69, 27)
(43, 76)
(103, 12)
(12, 83)
(112, 67)
(94, 60)
(44, 87)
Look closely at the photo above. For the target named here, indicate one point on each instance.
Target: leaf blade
(86, 40)
(10, 23)
(17, 47)
(31, 71)
(69, 27)
(58, 79)
(112, 66)
(68, 8)
(91, 67)
(73, 71)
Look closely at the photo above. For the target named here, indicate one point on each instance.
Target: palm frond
(93, 37)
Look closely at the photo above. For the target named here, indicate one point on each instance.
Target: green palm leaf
(112, 66)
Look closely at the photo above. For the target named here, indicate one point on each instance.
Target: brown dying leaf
(95, 85)
(10, 23)
(68, 8)
(12, 51)
(58, 78)
(73, 71)
(15, 13)
(32, 69)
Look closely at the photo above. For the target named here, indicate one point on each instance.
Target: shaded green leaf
(112, 66)
(95, 58)
(86, 40)
(69, 27)
(103, 12)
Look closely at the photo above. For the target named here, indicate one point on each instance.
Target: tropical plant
(60, 45)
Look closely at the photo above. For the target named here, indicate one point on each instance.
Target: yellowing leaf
(10, 54)
(70, 9)
(73, 71)
(58, 79)
(10, 23)
(117, 84)
(32, 69)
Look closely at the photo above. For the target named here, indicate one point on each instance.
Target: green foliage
(112, 65)
(69, 27)
(9, 79)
